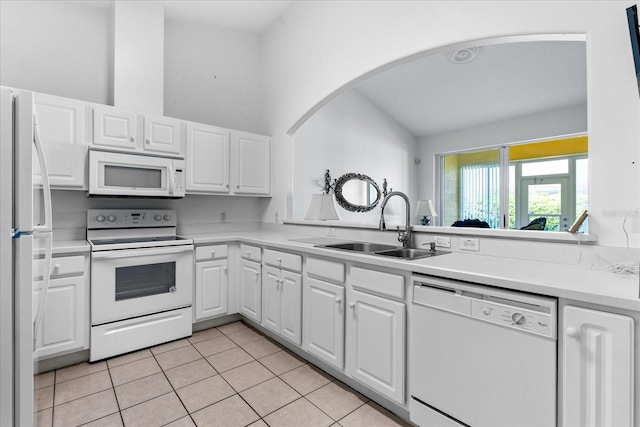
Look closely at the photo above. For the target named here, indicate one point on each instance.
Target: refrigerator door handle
(46, 188)
(46, 274)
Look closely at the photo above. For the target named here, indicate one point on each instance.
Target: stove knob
(100, 218)
(167, 217)
(518, 319)
(158, 217)
(111, 218)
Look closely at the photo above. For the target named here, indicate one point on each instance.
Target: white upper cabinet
(223, 161)
(252, 163)
(207, 160)
(144, 133)
(163, 135)
(64, 135)
(115, 128)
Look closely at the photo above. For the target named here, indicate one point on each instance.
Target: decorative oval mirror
(357, 192)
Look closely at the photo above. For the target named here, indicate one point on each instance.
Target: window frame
(504, 175)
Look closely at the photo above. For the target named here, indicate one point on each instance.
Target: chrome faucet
(405, 237)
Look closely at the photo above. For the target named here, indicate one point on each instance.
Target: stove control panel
(130, 218)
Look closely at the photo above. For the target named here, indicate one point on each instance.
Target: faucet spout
(405, 237)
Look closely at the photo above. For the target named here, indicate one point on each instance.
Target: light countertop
(598, 286)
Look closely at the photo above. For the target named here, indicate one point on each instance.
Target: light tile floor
(226, 376)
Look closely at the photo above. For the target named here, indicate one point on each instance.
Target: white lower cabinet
(597, 366)
(323, 312)
(251, 283)
(65, 323)
(282, 294)
(375, 343)
(282, 303)
(211, 282)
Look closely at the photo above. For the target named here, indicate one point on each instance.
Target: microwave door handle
(126, 253)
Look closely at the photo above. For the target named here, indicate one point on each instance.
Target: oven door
(128, 283)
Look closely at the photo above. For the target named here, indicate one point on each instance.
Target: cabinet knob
(279, 260)
(572, 332)
(237, 185)
(213, 253)
(148, 142)
(56, 267)
(132, 139)
(337, 300)
(248, 253)
(352, 305)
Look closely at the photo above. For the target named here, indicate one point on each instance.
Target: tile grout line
(236, 393)
(171, 384)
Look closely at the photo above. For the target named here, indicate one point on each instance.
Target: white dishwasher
(480, 356)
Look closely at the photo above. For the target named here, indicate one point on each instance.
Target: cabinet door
(115, 128)
(376, 344)
(250, 290)
(252, 161)
(207, 159)
(291, 306)
(324, 321)
(597, 379)
(61, 122)
(163, 135)
(211, 289)
(64, 325)
(271, 290)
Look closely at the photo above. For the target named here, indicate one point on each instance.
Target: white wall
(351, 134)
(195, 212)
(60, 48)
(543, 125)
(212, 75)
(317, 48)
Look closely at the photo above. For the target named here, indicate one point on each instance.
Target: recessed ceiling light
(464, 56)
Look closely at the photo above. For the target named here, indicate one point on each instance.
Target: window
(541, 185)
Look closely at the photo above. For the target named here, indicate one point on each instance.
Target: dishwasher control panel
(516, 317)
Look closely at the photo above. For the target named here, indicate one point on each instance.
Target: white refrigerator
(25, 252)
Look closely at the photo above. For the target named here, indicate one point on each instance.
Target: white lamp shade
(425, 208)
(322, 207)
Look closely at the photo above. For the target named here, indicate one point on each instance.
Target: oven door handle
(131, 253)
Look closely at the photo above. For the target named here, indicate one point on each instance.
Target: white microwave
(135, 175)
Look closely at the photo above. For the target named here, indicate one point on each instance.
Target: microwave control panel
(178, 182)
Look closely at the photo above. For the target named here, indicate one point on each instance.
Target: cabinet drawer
(283, 260)
(252, 253)
(209, 252)
(377, 281)
(325, 269)
(62, 266)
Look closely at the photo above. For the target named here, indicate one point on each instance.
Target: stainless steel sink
(408, 253)
(383, 250)
(365, 247)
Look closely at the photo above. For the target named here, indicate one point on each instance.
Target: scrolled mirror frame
(341, 181)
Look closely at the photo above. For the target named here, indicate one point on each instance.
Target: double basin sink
(384, 250)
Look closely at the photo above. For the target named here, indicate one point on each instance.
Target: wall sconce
(323, 206)
(425, 210)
